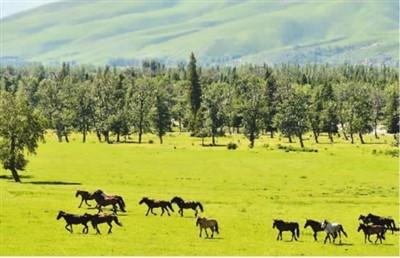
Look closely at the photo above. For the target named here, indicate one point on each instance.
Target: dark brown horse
(97, 219)
(73, 219)
(204, 223)
(383, 221)
(369, 230)
(85, 195)
(286, 226)
(151, 204)
(105, 200)
(186, 205)
(315, 226)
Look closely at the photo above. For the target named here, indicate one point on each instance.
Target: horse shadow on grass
(52, 183)
(11, 178)
(214, 238)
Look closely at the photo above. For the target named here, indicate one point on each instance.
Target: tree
(21, 127)
(160, 115)
(270, 101)
(194, 92)
(392, 112)
(329, 117)
(315, 111)
(378, 99)
(84, 108)
(214, 103)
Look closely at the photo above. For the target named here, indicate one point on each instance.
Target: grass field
(243, 189)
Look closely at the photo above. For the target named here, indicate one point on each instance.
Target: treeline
(350, 100)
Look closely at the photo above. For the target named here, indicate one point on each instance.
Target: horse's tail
(115, 218)
(200, 206)
(121, 204)
(342, 230)
(216, 227)
(297, 228)
(170, 206)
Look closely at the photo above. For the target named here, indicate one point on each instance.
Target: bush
(151, 141)
(295, 149)
(392, 152)
(232, 146)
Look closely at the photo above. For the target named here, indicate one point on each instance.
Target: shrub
(295, 149)
(232, 146)
(151, 141)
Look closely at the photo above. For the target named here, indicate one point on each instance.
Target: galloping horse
(74, 219)
(151, 204)
(369, 230)
(105, 200)
(86, 196)
(103, 218)
(186, 205)
(207, 223)
(332, 229)
(286, 226)
(315, 226)
(383, 221)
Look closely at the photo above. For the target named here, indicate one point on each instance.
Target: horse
(315, 226)
(85, 195)
(369, 230)
(103, 218)
(105, 200)
(363, 219)
(286, 226)
(151, 204)
(74, 219)
(383, 221)
(333, 229)
(186, 205)
(205, 223)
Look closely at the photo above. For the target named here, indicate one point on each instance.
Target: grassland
(250, 31)
(244, 189)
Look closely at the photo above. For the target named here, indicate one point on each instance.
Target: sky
(9, 7)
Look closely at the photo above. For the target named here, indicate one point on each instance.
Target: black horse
(286, 226)
(151, 204)
(315, 226)
(379, 220)
(105, 200)
(97, 219)
(73, 219)
(186, 205)
(85, 196)
(369, 230)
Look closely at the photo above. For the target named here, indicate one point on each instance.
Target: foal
(186, 205)
(369, 230)
(74, 219)
(286, 226)
(151, 204)
(103, 218)
(207, 223)
(85, 195)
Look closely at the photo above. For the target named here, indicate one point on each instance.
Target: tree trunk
(117, 136)
(330, 137)
(66, 137)
(106, 136)
(290, 138)
(213, 140)
(272, 133)
(315, 136)
(237, 130)
(140, 137)
(301, 140)
(180, 125)
(84, 135)
(98, 135)
(59, 137)
(396, 137)
(15, 175)
(361, 138)
(202, 140)
(344, 133)
(376, 129)
(352, 138)
(161, 141)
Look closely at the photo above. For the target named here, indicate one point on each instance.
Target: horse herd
(371, 224)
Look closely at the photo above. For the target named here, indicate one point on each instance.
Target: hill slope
(217, 31)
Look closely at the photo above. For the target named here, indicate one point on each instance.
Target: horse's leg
(277, 238)
(109, 230)
(162, 211)
(71, 228)
(205, 229)
(369, 238)
(114, 208)
(151, 209)
(66, 227)
(365, 238)
(315, 235)
(195, 214)
(80, 203)
(340, 237)
(212, 233)
(148, 210)
(97, 229)
(326, 238)
(181, 211)
(168, 212)
(200, 230)
(87, 203)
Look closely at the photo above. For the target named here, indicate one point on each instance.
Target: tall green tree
(392, 112)
(160, 115)
(194, 92)
(214, 102)
(21, 127)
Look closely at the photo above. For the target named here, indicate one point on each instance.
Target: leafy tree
(392, 112)
(21, 127)
(160, 116)
(84, 108)
(329, 116)
(214, 102)
(194, 93)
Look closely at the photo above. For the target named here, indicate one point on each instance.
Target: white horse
(332, 229)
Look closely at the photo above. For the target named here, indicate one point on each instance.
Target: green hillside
(226, 31)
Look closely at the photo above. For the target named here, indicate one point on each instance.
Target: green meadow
(244, 189)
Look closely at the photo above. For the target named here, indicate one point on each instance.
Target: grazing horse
(315, 226)
(383, 221)
(369, 230)
(151, 204)
(207, 223)
(105, 200)
(332, 229)
(103, 218)
(186, 205)
(286, 226)
(74, 219)
(86, 196)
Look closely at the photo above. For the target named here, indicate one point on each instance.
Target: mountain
(218, 31)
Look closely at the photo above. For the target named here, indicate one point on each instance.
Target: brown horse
(73, 219)
(383, 221)
(204, 223)
(186, 205)
(369, 230)
(97, 219)
(151, 204)
(286, 226)
(105, 200)
(85, 195)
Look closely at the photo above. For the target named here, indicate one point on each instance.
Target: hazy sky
(9, 7)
